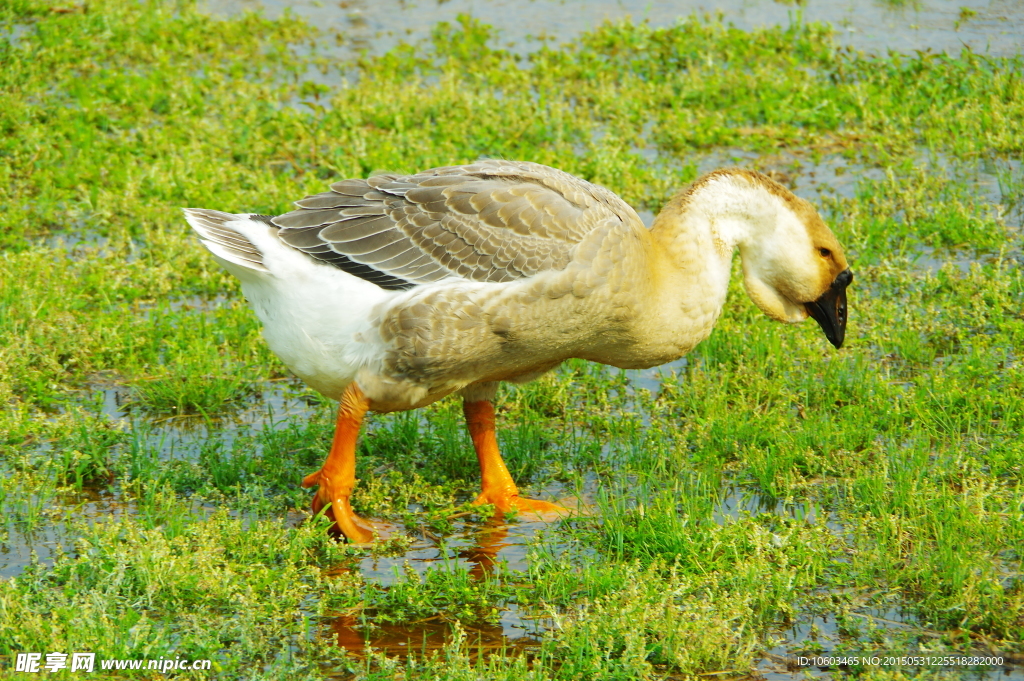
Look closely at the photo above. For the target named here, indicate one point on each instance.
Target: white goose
(391, 292)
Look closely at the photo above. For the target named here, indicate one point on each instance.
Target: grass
(773, 497)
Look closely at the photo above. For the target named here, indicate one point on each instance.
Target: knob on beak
(830, 309)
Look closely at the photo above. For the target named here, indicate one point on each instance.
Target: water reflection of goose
(392, 292)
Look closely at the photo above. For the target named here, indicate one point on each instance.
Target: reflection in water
(426, 636)
(510, 634)
(483, 553)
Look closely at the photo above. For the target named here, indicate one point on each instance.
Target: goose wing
(491, 221)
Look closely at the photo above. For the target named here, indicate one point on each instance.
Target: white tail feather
(215, 232)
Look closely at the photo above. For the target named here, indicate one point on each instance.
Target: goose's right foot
(356, 529)
(498, 487)
(337, 476)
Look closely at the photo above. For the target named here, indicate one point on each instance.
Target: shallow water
(422, 638)
(739, 501)
(20, 550)
(173, 437)
(831, 175)
(478, 549)
(482, 550)
(12, 33)
(274, 405)
(997, 28)
(495, 550)
(44, 543)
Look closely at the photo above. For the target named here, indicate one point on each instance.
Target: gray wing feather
(354, 229)
(489, 221)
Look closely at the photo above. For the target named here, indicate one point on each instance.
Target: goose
(391, 292)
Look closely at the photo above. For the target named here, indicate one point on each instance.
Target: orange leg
(337, 476)
(498, 487)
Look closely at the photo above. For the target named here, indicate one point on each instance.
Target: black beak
(830, 309)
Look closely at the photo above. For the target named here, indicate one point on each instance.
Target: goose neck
(694, 249)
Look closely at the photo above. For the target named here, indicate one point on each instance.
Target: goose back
(491, 221)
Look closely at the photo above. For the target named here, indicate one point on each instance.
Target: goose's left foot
(506, 502)
(498, 487)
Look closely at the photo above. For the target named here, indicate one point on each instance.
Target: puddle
(650, 379)
(739, 502)
(12, 33)
(996, 26)
(484, 548)
(496, 550)
(32, 524)
(23, 547)
(871, 624)
(19, 550)
(188, 303)
(274, 405)
(422, 638)
(833, 175)
(472, 548)
(493, 550)
(931, 260)
(77, 240)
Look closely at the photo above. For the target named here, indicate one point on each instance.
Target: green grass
(774, 495)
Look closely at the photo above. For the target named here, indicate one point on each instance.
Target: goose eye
(825, 253)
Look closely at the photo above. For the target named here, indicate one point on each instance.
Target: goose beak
(830, 309)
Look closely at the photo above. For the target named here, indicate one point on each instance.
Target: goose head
(793, 266)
